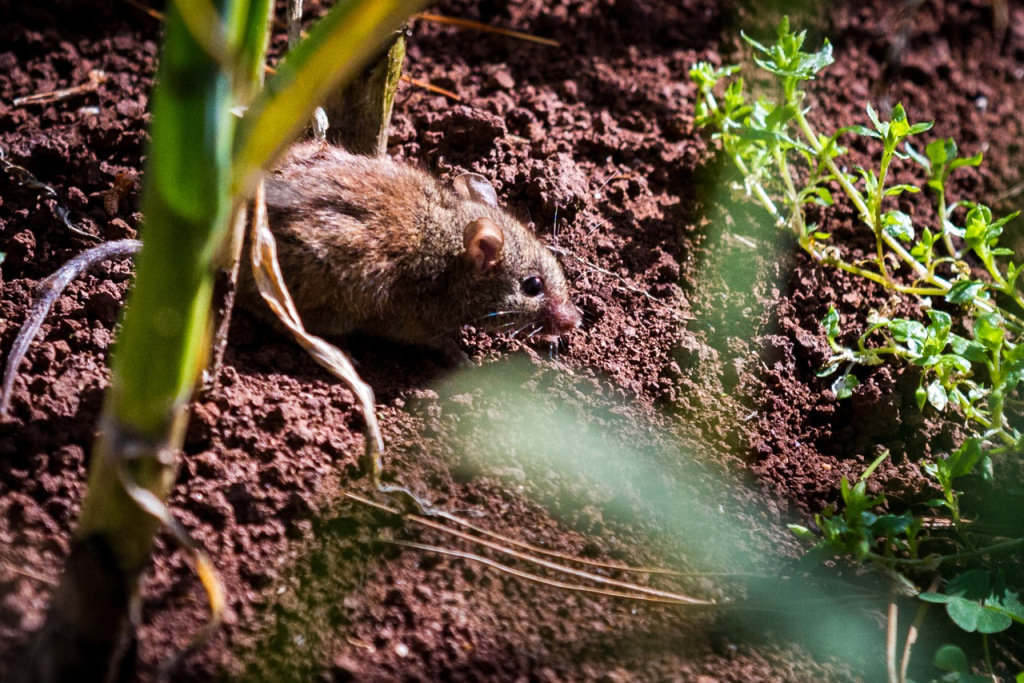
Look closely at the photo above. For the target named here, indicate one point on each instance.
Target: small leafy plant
(770, 140)
(967, 340)
(859, 531)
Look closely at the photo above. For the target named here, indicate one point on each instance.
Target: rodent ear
(475, 188)
(483, 239)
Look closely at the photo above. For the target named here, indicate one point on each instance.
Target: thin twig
(96, 77)
(477, 26)
(640, 590)
(431, 87)
(538, 579)
(28, 573)
(155, 14)
(24, 177)
(47, 292)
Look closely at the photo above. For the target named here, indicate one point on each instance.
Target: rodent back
(371, 243)
(368, 238)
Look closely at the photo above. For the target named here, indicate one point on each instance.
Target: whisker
(495, 314)
(520, 329)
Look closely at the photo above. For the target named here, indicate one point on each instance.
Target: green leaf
(952, 362)
(802, 532)
(897, 190)
(831, 323)
(969, 161)
(828, 369)
(1014, 354)
(964, 291)
(816, 61)
(921, 127)
(979, 230)
(1013, 271)
(1009, 603)
(822, 197)
(941, 323)
(844, 386)
(897, 114)
(1013, 377)
(972, 584)
(989, 330)
(758, 46)
(972, 616)
(874, 465)
(920, 396)
(937, 396)
(951, 658)
(941, 151)
(922, 250)
(918, 158)
(898, 224)
(707, 76)
(909, 332)
(891, 526)
(880, 126)
(968, 348)
(962, 462)
(1004, 220)
(860, 130)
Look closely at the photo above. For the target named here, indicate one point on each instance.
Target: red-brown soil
(682, 427)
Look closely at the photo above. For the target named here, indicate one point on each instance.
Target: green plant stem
(759, 192)
(796, 217)
(887, 283)
(988, 655)
(858, 201)
(943, 219)
(915, 629)
(941, 285)
(936, 560)
(891, 644)
(877, 214)
(163, 343)
(1001, 283)
(840, 177)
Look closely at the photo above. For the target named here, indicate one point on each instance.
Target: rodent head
(511, 271)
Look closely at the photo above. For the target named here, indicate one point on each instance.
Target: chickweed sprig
(788, 166)
(769, 138)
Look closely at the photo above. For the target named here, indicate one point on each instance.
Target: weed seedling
(966, 340)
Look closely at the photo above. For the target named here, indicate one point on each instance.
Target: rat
(373, 245)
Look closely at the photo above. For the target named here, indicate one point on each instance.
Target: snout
(562, 318)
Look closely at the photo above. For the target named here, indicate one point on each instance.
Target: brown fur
(374, 245)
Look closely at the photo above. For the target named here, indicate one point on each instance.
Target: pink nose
(563, 318)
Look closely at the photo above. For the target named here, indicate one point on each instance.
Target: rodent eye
(532, 285)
